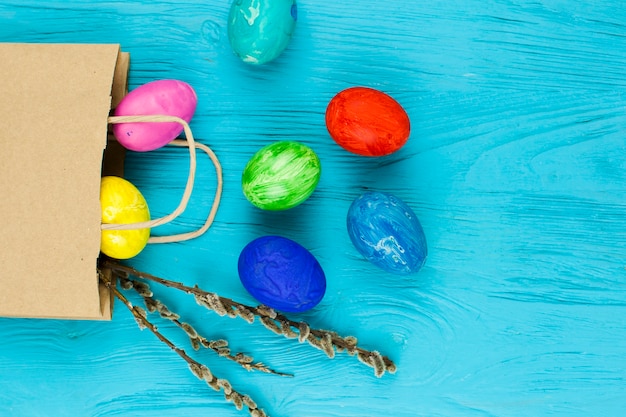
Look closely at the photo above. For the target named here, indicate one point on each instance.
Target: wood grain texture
(515, 166)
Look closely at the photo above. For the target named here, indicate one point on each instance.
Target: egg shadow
(290, 223)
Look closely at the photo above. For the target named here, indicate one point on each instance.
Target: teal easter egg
(281, 175)
(259, 30)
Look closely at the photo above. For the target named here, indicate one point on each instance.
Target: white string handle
(192, 145)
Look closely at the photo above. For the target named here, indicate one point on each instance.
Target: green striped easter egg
(281, 175)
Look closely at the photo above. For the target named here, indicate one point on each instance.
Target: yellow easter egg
(122, 203)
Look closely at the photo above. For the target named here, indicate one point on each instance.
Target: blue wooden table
(516, 167)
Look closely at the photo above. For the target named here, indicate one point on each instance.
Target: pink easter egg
(161, 97)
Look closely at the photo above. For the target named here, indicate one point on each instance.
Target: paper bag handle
(192, 145)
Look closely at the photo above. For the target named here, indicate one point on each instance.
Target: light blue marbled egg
(387, 232)
(259, 30)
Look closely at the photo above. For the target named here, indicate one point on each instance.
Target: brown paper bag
(55, 102)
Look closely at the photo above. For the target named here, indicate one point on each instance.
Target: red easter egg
(367, 122)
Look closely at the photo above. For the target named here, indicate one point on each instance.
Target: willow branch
(327, 341)
(201, 371)
(220, 347)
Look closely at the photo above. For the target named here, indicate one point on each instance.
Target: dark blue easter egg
(281, 274)
(387, 233)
